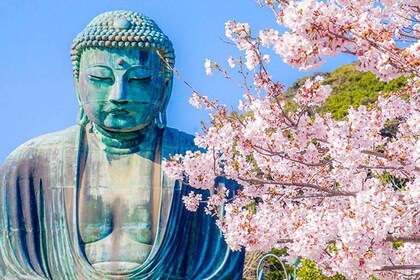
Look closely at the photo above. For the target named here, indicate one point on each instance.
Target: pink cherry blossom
(192, 201)
(231, 62)
(208, 67)
(338, 192)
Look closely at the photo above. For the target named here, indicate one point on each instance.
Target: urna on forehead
(126, 30)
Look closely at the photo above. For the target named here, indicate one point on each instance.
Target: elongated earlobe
(161, 120)
(82, 119)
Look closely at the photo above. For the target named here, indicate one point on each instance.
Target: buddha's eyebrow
(99, 66)
(136, 66)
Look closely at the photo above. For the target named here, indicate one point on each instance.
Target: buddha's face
(121, 89)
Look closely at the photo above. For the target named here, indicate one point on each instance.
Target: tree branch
(410, 239)
(399, 267)
(299, 184)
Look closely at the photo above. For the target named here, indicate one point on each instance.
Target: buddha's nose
(119, 92)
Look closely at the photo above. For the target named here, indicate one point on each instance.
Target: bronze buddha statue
(91, 201)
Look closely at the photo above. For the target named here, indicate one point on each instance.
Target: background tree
(338, 192)
(350, 88)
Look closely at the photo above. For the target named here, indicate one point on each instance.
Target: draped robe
(39, 236)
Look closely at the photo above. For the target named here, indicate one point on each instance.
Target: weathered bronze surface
(91, 201)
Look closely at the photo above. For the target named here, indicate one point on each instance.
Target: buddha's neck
(122, 142)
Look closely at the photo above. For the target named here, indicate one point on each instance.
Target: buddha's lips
(119, 111)
(129, 108)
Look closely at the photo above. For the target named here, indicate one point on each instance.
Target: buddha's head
(122, 67)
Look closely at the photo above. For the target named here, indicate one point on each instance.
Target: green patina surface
(91, 201)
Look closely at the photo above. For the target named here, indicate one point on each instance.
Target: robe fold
(39, 236)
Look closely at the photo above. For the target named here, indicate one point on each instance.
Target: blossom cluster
(340, 192)
(370, 30)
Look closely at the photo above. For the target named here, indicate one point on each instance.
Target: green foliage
(397, 183)
(252, 207)
(355, 88)
(309, 271)
(332, 248)
(351, 88)
(397, 244)
(273, 269)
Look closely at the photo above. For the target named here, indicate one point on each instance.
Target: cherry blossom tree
(339, 192)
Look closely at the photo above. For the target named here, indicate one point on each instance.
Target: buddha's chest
(107, 209)
(118, 208)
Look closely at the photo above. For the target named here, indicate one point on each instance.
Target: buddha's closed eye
(140, 80)
(96, 78)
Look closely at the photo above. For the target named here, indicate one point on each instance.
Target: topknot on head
(123, 29)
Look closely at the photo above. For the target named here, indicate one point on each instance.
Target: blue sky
(36, 84)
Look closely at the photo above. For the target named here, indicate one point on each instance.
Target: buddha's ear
(161, 119)
(82, 118)
(77, 89)
(167, 95)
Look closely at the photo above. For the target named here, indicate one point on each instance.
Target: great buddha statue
(91, 201)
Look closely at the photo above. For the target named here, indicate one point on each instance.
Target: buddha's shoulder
(52, 140)
(46, 144)
(43, 147)
(178, 140)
